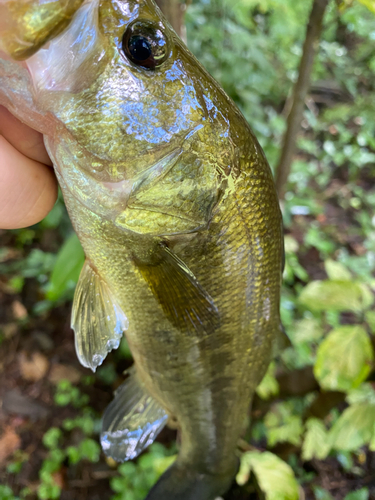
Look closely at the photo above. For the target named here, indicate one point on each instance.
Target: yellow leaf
(274, 476)
(344, 358)
(370, 4)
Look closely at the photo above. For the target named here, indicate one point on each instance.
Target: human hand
(28, 186)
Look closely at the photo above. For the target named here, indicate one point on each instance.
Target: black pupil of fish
(139, 47)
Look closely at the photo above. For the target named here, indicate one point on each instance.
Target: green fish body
(175, 206)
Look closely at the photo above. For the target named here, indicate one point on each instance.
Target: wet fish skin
(176, 209)
(30, 24)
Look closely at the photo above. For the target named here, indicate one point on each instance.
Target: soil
(38, 351)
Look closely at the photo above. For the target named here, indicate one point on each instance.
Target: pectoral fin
(131, 422)
(97, 320)
(187, 305)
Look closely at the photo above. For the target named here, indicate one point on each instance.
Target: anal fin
(185, 302)
(97, 320)
(131, 422)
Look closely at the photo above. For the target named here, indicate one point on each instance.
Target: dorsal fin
(97, 320)
(131, 422)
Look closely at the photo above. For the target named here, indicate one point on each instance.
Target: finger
(25, 139)
(28, 189)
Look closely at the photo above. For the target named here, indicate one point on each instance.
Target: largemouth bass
(175, 206)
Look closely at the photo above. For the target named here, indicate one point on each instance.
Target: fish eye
(145, 45)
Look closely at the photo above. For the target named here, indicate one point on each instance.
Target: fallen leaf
(43, 340)
(19, 310)
(58, 478)
(359, 249)
(8, 253)
(110, 462)
(333, 130)
(9, 330)
(33, 368)
(64, 372)
(9, 443)
(15, 402)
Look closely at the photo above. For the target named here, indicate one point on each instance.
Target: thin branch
(300, 91)
(174, 11)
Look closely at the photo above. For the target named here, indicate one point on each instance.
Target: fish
(176, 209)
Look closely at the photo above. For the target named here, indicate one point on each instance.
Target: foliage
(253, 48)
(66, 270)
(269, 386)
(86, 448)
(336, 296)
(66, 394)
(265, 37)
(344, 358)
(135, 480)
(6, 493)
(316, 443)
(356, 425)
(274, 476)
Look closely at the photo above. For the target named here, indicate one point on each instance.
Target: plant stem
(313, 32)
(174, 11)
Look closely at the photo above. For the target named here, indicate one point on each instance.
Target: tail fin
(182, 483)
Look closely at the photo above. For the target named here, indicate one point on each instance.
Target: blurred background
(312, 424)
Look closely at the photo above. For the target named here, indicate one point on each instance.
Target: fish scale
(175, 206)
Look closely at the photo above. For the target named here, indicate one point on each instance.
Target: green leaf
(322, 494)
(275, 477)
(89, 449)
(307, 330)
(370, 318)
(344, 359)
(361, 494)
(48, 491)
(283, 425)
(372, 441)
(337, 271)
(53, 219)
(365, 393)
(14, 468)
(161, 464)
(354, 428)
(291, 244)
(336, 296)
(367, 296)
(52, 437)
(370, 4)
(73, 454)
(67, 268)
(52, 463)
(124, 351)
(269, 386)
(6, 493)
(316, 443)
